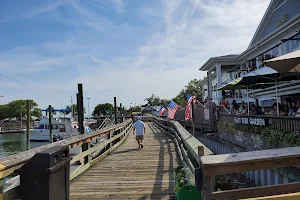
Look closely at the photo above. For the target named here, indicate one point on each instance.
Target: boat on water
(62, 129)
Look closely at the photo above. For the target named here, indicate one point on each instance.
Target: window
(275, 52)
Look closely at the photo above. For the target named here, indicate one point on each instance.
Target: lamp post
(88, 106)
(130, 108)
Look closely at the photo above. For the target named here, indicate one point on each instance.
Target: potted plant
(183, 189)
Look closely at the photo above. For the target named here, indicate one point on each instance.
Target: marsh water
(13, 143)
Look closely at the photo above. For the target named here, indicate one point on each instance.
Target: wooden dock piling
(115, 104)
(28, 125)
(50, 124)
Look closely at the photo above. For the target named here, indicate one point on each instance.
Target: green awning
(232, 85)
(238, 84)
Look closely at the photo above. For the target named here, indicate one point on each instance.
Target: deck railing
(115, 135)
(291, 124)
(189, 148)
(248, 161)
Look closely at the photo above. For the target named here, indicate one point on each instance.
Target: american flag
(161, 111)
(188, 108)
(172, 109)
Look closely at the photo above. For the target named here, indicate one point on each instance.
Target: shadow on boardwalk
(159, 176)
(130, 174)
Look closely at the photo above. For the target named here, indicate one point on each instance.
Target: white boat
(62, 129)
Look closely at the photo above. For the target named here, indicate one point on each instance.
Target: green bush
(272, 138)
(181, 179)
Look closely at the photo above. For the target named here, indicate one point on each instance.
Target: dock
(115, 169)
(128, 173)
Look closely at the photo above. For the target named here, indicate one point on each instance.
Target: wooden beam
(254, 192)
(291, 196)
(248, 161)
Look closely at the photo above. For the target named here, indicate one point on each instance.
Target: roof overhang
(222, 60)
(291, 27)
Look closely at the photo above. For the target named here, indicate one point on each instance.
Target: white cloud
(185, 34)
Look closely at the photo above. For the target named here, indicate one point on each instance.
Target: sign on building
(255, 121)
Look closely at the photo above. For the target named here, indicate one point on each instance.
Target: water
(13, 143)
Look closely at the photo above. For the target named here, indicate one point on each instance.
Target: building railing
(114, 135)
(247, 161)
(189, 148)
(291, 124)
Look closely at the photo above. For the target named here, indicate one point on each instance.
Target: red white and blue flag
(161, 111)
(172, 109)
(188, 108)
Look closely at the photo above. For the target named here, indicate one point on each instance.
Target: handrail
(115, 134)
(188, 146)
(248, 161)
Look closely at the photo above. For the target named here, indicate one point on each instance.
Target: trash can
(46, 175)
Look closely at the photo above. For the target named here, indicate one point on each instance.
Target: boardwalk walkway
(130, 174)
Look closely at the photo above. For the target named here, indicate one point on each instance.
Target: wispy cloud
(120, 6)
(26, 11)
(115, 56)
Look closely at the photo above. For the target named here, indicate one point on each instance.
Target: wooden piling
(121, 113)
(80, 111)
(115, 104)
(28, 125)
(50, 124)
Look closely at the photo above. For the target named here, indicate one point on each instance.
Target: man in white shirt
(139, 129)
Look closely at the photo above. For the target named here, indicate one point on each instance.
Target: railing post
(1, 187)
(203, 183)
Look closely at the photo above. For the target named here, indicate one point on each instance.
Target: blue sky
(124, 48)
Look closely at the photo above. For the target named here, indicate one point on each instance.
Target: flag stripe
(188, 108)
(172, 109)
(161, 112)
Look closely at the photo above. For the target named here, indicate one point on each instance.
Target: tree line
(194, 88)
(16, 108)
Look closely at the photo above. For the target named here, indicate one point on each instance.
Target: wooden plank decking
(130, 174)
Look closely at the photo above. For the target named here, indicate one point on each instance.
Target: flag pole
(193, 122)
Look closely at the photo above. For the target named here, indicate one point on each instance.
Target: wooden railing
(291, 124)
(248, 161)
(115, 135)
(187, 145)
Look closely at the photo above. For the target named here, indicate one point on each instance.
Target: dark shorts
(139, 137)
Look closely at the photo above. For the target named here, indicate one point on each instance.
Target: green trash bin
(189, 192)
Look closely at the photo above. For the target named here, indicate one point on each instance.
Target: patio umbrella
(249, 82)
(286, 63)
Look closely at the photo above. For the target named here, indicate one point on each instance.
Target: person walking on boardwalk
(139, 129)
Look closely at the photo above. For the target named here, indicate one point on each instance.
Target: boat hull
(37, 135)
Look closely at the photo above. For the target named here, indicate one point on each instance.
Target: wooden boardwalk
(128, 173)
